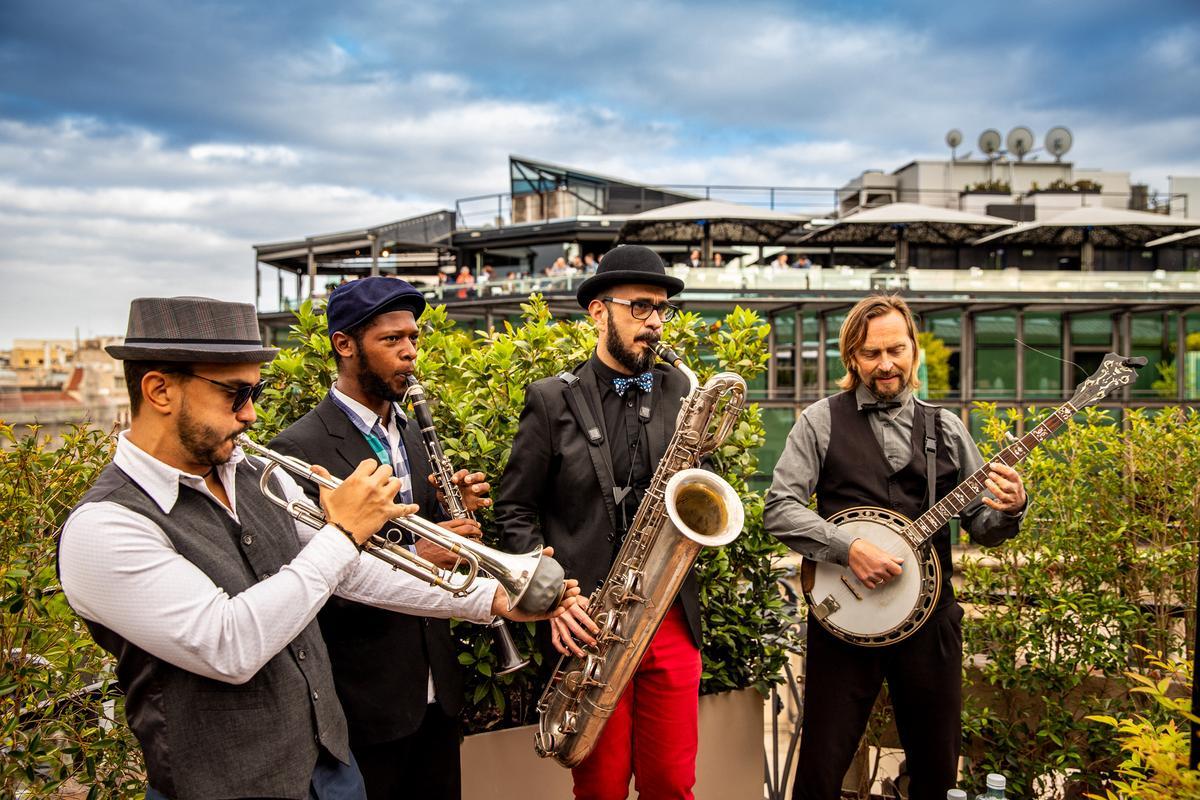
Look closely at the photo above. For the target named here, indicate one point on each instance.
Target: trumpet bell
(534, 582)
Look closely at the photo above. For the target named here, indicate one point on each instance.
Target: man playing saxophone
(397, 675)
(207, 592)
(587, 445)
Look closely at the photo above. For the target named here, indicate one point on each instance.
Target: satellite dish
(989, 142)
(1058, 142)
(1020, 141)
(953, 140)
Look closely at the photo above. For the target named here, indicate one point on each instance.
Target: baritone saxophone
(684, 510)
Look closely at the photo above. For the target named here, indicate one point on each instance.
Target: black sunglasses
(640, 309)
(242, 394)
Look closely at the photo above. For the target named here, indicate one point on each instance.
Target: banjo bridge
(845, 581)
(824, 608)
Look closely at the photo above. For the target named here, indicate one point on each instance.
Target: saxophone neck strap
(592, 430)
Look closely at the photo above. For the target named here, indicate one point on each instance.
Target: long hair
(854, 333)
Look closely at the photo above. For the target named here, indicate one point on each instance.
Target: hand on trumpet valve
(365, 501)
(439, 555)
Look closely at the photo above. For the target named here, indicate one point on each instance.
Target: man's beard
(202, 443)
(626, 357)
(374, 384)
(887, 394)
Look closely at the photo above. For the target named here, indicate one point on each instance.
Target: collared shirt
(627, 441)
(119, 568)
(788, 517)
(368, 420)
(364, 419)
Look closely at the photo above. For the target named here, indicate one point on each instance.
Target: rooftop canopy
(1176, 238)
(1104, 227)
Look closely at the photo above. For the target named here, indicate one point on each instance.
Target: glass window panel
(778, 423)
(1043, 375)
(995, 328)
(1091, 329)
(995, 373)
(1043, 329)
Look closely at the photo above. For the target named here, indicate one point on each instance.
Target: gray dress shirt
(788, 517)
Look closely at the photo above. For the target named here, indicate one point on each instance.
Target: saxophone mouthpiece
(667, 354)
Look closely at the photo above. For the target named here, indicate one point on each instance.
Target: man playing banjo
(868, 446)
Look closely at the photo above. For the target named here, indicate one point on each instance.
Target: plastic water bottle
(995, 788)
(956, 794)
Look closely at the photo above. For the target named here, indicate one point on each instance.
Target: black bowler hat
(192, 329)
(628, 263)
(356, 302)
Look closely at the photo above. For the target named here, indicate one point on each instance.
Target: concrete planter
(502, 765)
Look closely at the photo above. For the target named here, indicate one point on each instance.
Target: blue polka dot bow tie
(644, 382)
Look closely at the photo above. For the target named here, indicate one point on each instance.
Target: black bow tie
(881, 405)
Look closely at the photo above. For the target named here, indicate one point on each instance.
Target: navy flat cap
(356, 302)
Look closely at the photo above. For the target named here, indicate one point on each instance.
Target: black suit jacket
(556, 490)
(381, 659)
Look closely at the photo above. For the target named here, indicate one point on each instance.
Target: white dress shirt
(119, 569)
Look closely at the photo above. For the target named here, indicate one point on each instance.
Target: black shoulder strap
(601, 458)
(594, 435)
(931, 451)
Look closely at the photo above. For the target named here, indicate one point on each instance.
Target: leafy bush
(476, 382)
(58, 696)
(1155, 744)
(1106, 563)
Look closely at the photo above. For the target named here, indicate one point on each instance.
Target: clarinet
(443, 474)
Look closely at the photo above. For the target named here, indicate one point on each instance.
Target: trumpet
(533, 582)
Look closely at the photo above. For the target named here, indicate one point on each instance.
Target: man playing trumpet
(207, 592)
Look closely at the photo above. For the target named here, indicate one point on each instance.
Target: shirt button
(302, 655)
(247, 539)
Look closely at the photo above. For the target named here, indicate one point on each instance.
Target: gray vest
(203, 738)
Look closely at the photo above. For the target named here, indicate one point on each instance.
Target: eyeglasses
(242, 394)
(640, 309)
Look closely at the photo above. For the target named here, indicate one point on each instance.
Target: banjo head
(845, 607)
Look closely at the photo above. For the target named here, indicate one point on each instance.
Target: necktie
(881, 405)
(644, 383)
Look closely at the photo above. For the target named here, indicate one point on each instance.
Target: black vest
(204, 738)
(856, 473)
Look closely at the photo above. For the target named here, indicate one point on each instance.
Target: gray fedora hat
(192, 329)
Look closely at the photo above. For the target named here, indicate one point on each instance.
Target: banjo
(846, 608)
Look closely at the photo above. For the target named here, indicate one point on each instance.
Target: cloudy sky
(144, 146)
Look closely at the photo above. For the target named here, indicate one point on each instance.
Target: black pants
(422, 765)
(924, 677)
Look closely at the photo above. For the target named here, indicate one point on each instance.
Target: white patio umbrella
(708, 221)
(902, 224)
(1091, 226)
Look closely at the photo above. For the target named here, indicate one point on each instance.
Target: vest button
(302, 655)
(264, 576)
(316, 696)
(248, 539)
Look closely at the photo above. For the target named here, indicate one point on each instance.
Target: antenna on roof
(953, 140)
(989, 143)
(1058, 142)
(1020, 142)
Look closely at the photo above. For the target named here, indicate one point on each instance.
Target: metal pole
(967, 362)
(312, 272)
(1020, 352)
(374, 240)
(1181, 355)
(822, 367)
(798, 356)
(257, 281)
(1067, 377)
(773, 360)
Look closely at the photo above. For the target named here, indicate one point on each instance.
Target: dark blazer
(556, 490)
(381, 659)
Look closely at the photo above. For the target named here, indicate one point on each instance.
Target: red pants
(652, 732)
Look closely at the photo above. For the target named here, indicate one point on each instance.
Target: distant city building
(58, 383)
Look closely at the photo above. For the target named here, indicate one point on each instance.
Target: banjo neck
(925, 526)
